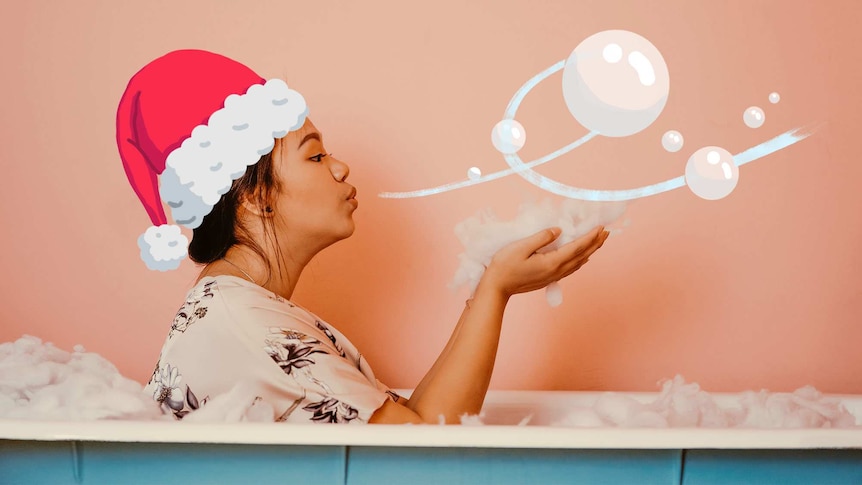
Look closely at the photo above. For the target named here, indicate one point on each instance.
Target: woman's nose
(339, 169)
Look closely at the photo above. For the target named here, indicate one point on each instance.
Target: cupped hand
(519, 268)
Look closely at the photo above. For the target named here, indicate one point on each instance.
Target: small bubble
(711, 173)
(774, 98)
(508, 136)
(473, 173)
(754, 117)
(672, 141)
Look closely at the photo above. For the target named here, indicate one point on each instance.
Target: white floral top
(232, 331)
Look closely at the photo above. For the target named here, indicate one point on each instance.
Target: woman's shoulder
(226, 308)
(235, 291)
(249, 303)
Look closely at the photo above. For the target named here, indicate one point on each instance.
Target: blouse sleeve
(324, 386)
(271, 351)
(311, 376)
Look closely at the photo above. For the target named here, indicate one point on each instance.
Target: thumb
(533, 243)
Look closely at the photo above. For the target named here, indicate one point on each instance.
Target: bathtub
(499, 453)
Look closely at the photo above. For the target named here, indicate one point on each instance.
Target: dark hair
(221, 229)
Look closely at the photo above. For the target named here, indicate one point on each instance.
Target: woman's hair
(221, 228)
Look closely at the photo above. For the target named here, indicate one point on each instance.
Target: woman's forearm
(458, 380)
(429, 376)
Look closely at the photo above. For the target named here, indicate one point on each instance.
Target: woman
(238, 331)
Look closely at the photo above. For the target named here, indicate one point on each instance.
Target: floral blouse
(231, 331)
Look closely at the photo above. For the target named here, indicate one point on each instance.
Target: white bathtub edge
(430, 435)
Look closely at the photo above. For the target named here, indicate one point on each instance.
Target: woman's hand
(459, 379)
(518, 268)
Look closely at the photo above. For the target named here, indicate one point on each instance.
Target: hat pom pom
(163, 247)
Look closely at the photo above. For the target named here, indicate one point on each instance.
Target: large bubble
(616, 83)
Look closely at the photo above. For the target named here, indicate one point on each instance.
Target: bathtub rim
(485, 436)
(489, 436)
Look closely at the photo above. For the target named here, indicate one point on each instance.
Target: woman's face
(314, 203)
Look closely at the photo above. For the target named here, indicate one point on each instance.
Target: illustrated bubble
(711, 173)
(473, 173)
(508, 136)
(774, 98)
(754, 117)
(672, 141)
(616, 83)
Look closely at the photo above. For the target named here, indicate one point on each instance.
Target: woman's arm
(458, 380)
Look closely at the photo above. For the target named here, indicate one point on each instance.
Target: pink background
(758, 290)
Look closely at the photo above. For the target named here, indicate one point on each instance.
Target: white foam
(237, 405)
(483, 234)
(41, 382)
(38, 381)
(681, 404)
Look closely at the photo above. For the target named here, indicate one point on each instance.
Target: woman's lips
(351, 197)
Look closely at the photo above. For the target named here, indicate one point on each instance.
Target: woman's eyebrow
(310, 136)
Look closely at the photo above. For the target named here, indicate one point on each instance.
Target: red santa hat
(188, 125)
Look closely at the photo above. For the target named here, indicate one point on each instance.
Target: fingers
(573, 255)
(519, 267)
(537, 241)
(584, 244)
(597, 243)
(574, 268)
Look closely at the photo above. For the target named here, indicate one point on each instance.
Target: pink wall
(758, 290)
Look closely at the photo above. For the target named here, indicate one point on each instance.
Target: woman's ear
(260, 203)
(254, 206)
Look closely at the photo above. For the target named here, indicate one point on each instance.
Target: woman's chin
(351, 231)
(347, 231)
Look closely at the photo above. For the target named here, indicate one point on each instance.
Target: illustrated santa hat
(188, 125)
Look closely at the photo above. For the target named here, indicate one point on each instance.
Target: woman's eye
(319, 157)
